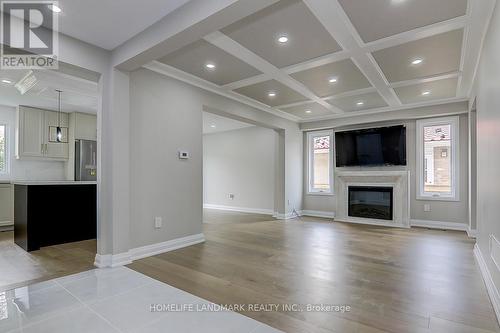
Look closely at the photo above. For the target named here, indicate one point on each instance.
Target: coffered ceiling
(317, 59)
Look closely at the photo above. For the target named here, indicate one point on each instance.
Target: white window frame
(454, 122)
(6, 172)
(310, 169)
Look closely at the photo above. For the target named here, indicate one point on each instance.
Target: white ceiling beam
(450, 75)
(334, 19)
(316, 62)
(480, 13)
(416, 34)
(175, 73)
(351, 93)
(182, 27)
(247, 82)
(232, 47)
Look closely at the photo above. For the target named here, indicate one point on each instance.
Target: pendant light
(59, 130)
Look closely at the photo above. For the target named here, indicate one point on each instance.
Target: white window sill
(432, 198)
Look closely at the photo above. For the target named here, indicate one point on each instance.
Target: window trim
(310, 179)
(7, 150)
(454, 122)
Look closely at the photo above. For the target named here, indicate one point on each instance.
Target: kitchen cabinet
(85, 126)
(6, 205)
(36, 134)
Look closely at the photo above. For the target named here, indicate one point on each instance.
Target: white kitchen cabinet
(6, 205)
(36, 134)
(85, 126)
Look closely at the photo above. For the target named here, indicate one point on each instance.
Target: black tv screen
(371, 147)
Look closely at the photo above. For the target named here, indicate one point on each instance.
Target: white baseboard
(240, 209)
(319, 213)
(287, 216)
(6, 223)
(125, 258)
(174, 244)
(472, 233)
(488, 280)
(439, 225)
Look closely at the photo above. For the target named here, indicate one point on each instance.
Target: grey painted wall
(444, 211)
(488, 144)
(166, 116)
(240, 162)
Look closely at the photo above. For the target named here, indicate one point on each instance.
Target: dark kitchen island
(50, 213)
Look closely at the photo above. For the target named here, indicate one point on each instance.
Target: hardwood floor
(394, 280)
(19, 268)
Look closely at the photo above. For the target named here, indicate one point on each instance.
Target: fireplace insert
(373, 202)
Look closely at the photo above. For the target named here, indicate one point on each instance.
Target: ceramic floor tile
(26, 307)
(208, 322)
(101, 286)
(116, 271)
(78, 321)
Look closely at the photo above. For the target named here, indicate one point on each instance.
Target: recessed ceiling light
(271, 94)
(397, 2)
(417, 61)
(210, 65)
(360, 103)
(213, 126)
(425, 93)
(308, 111)
(333, 80)
(283, 39)
(55, 8)
(6, 81)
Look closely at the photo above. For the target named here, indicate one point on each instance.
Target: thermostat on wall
(183, 155)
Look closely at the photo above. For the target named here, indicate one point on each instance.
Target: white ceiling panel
(376, 19)
(260, 92)
(438, 54)
(308, 111)
(428, 91)
(194, 59)
(359, 102)
(307, 38)
(345, 73)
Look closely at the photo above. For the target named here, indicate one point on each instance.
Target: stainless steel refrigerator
(85, 160)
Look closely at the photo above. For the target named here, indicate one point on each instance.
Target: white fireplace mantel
(398, 180)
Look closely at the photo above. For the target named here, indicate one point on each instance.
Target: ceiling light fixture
(360, 103)
(213, 126)
(283, 39)
(6, 81)
(417, 61)
(59, 129)
(55, 8)
(210, 65)
(425, 93)
(308, 111)
(271, 94)
(333, 80)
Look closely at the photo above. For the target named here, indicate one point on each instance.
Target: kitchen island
(50, 213)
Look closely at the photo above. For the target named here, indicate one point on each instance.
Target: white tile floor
(111, 300)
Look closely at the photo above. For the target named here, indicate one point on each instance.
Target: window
(3, 149)
(437, 158)
(320, 163)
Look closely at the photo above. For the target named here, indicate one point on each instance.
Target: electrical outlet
(231, 196)
(427, 208)
(158, 222)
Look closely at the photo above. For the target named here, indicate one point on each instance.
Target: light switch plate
(158, 222)
(183, 155)
(427, 208)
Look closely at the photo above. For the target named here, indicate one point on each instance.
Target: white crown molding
(247, 82)
(125, 258)
(175, 73)
(391, 109)
(450, 75)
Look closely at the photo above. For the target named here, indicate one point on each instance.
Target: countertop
(52, 182)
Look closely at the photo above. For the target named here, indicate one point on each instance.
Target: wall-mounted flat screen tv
(371, 147)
